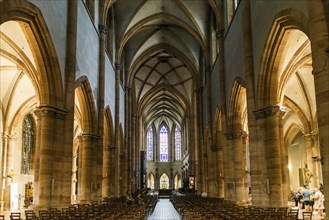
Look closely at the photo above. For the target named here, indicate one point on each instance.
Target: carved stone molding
(267, 111)
(109, 148)
(199, 90)
(216, 147)
(234, 135)
(117, 66)
(311, 136)
(88, 136)
(220, 34)
(7, 136)
(102, 28)
(50, 111)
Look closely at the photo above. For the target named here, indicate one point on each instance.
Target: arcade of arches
(219, 96)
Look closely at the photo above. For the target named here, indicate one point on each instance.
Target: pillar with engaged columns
(117, 171)
(318, 33)
(88, 141)
(235, 140)
(9, 142)
(47, 117)
(101, 94)
(270, 117)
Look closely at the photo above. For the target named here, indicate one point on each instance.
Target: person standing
(307, 194)
(319, 202)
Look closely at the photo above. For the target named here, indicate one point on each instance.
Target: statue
(11, 175)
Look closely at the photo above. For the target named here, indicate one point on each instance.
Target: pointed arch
(150, 139)
(238, 105)
(164, 142)
(268, 81)
(108, 127)
(87, 105)
(164, 181)
(48, 79)
(218, 129)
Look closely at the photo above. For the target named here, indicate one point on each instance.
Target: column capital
(220, 33)
(199, 90)
(127, 89)
(7, 136)
(88, 136)
(268, 111)
(102, 28)
(234, 135)
(109, 148)
(47, 110)
(216, 147)
(117, 66)
(311, 135)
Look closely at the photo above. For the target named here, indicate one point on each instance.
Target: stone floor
(164, 210)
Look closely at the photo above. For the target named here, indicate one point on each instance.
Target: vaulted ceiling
(163, 45)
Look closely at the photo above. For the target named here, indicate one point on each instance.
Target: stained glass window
(150, 144)
(163, 143)
(178, 144)
(27, 145)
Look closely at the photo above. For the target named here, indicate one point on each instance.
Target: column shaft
(86, 182)
(318, 29)
(70, 69)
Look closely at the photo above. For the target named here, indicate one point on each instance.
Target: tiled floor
(164, 210)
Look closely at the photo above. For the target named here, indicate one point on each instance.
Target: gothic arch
(238, 106)
(268, 80)
(108, 127)
(49, 84)
(87, 105)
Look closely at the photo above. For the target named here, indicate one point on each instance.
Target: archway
(287, 97)
(178, 181)
(84, 139)
(164, 181)
(19, 97)
(150, 181)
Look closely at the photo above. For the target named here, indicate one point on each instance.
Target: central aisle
(164, 210)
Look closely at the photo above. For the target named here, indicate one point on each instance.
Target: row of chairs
(114, 208)
(196, 207)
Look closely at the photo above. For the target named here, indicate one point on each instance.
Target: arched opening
(164, 181)
(83, 142)
(178, 181)
(150, 181)
(19, 91)
(297, 161)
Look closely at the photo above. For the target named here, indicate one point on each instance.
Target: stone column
(101, 88)
(256, 149)
(218, 151)
(111, 171)
(271, 117)
(193, 168)
(86, 152)
(70, 73)
(47, 115)
(117, 170)
(309, 142)
(9, 172)
(239, 164)
(106, 172)
(200, 183)
(318, 32)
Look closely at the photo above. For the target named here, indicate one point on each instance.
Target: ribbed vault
(162, 43)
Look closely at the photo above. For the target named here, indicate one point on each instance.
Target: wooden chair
(307, 215)
(2, 217)
(15, 216)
